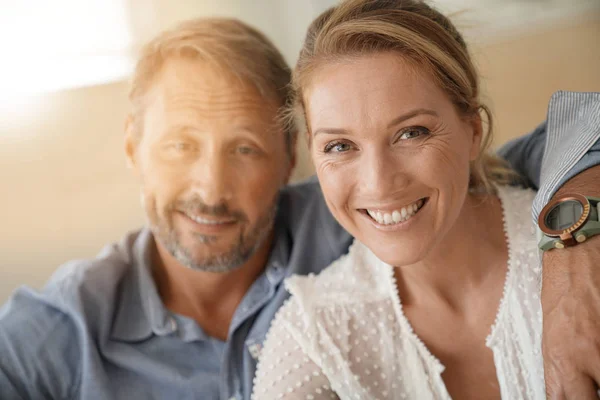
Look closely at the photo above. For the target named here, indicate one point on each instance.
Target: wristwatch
(568, 220)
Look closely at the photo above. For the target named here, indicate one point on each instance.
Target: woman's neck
(471, 254)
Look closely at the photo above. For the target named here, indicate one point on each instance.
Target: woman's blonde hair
(419, 34)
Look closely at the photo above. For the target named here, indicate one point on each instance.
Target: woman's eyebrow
(412, 114)
(395, 121)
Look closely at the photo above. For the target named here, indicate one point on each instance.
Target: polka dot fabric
(343, 335)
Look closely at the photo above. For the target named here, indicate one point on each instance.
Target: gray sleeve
(38, 351)
(524, 154)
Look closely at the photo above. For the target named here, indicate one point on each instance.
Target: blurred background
(64, 69)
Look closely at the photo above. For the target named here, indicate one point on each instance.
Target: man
(179, 310)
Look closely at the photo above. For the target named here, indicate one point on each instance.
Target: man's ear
(130, 143)
(477, 130)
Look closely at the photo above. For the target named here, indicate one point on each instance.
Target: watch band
(587, 225)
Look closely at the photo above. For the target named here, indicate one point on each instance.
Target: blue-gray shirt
(99, 329)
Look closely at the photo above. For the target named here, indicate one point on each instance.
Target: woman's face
(391, 152)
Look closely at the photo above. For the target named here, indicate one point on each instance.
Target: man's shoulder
(80, 289)
(316, 237)
(42, 333)
(300, 196)
(93, 280)
(305, 213)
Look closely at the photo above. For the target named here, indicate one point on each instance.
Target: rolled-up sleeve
(572, 142)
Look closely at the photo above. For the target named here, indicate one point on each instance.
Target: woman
(438, 296)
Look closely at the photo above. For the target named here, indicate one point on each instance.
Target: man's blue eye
(247, 150)
(180, 146)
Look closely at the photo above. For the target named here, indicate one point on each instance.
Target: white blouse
(343, 334)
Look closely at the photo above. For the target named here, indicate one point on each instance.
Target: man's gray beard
(240, 253)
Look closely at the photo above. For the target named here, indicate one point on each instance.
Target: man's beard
(248, 242)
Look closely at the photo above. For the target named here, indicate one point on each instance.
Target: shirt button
(173, 324)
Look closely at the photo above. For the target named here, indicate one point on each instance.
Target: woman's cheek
(443, 159)
(335, 183)
(329, 177)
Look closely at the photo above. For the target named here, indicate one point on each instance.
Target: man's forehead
(184, 72)
(184, 83)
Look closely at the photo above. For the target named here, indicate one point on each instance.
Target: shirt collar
(140, 310)
(280, 250)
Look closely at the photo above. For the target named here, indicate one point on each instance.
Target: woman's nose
(383, 173)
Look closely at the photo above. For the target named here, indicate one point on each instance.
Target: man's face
(211, 160)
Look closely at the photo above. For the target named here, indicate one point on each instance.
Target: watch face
(564, 215)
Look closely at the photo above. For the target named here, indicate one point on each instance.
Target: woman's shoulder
(516, 198)
(357, 276)
(351, 297)
(522, 288)
(520, 231)
(517, 213)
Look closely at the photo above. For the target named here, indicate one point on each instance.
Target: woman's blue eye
(413, 132)
(337, 147)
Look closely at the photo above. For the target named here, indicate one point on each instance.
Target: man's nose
(211, 177)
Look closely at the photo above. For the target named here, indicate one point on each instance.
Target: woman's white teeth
(396, 216)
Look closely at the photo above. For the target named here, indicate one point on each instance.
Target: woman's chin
(408, 255)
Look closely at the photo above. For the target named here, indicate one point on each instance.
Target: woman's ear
(477, 136)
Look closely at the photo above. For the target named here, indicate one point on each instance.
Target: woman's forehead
(371, 87)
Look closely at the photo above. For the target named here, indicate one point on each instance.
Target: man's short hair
(227, 43)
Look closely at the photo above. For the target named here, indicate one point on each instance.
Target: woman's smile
(395, 216)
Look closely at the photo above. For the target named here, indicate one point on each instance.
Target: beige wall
(66, 190)
(520, 74)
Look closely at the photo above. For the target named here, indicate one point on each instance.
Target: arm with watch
(568, 219)
(566, 211)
